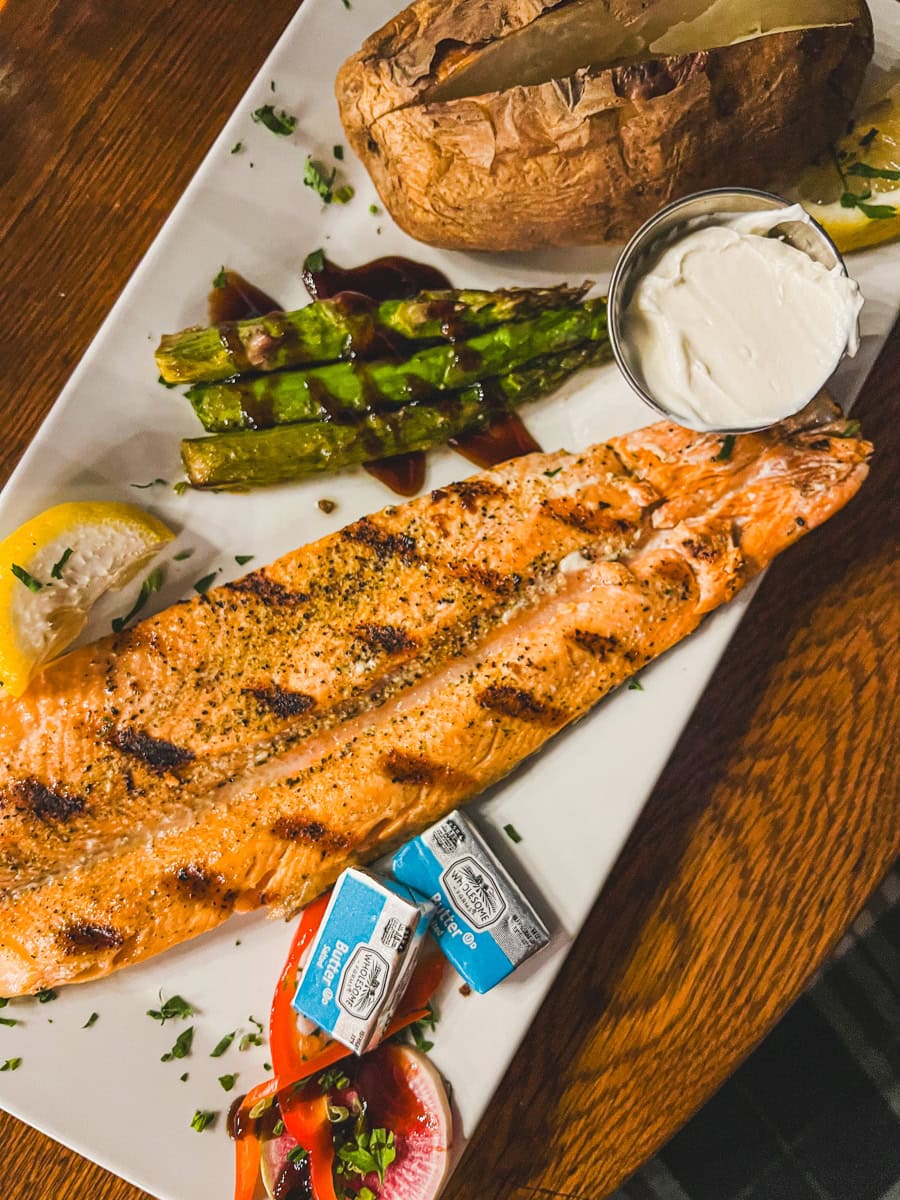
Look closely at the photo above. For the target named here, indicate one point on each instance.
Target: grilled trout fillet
(242, 748)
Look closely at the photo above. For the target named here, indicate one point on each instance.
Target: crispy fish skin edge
(546, 668)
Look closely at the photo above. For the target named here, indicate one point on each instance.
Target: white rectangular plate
(103, 1090)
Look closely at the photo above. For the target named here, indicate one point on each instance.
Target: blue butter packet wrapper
(483, 922)
(361, 957)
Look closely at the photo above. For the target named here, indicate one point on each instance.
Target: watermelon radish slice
(404, 1093)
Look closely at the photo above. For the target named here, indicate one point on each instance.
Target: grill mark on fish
(470, 491)
(487, 577)
(511, 701)
(84, 936)
(311, 833)
(48, 804)
(598, 644)
(588, 518)
(159, 755)
(383, 544)
(281, 701)
(389, 638)
(412, 768)
(267, 590)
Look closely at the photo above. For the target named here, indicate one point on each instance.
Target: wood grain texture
(779, 810)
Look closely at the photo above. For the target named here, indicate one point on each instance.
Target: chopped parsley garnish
(222, 1046)
(165, 382)
(183, 554)
(57, 569)
(635, 685)
(151, 584)
(282, 123)
(865, 171)
(45, 995)
(185, 1077)
(153, 483)
(92, 1020)
(347, 4)
(221, 280)
(552, 474)
(418, 1028)
(243, 559)
(298, 1154)
(369, 1151)
(10, 1021)
(272, 84)
(344, 194)
(267, 1067)
(203, 585)
(316, 177)
(11, 1064)
(202, 1119)
(252, 1039)
(180, 487)
(33, 585)
(512, 833)
(726, 448)
(315, 261)
(851, 199)
(333, 1080)
(228, 1081)
(338, 152)
(237, 147)
(175, 1008)
(182, 1047)
(374, 210)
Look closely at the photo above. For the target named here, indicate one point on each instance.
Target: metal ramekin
(700, 209)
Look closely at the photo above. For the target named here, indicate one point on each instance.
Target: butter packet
(361, 958)
(483, 923)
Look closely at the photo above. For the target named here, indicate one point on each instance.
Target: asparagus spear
(339, 389)
(346, 326)
(257, 457)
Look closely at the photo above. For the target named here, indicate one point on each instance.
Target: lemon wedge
(854, 190)
(54, 568)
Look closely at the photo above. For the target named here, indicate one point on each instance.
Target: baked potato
(510, 124)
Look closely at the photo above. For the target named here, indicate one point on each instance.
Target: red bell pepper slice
(284, 1039)
(306, 1119)
(247, 1155)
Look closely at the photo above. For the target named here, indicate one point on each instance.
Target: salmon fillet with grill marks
(242, 748)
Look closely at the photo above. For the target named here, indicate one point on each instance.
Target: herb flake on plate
(203, 585)
(281, 123)
(45, 995)
(175, 1008)
(92, 1020)
(221, 279)
(182, 1047)
(228, 1081)
(512, 833)
(151, 584)
(11, 1064)
(202, 1119)
(222, 1046)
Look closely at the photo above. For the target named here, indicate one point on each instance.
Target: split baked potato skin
(588, 158)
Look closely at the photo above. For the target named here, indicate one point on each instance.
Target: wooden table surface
(778, 813)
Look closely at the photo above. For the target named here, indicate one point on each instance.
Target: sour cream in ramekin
(728, 323)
